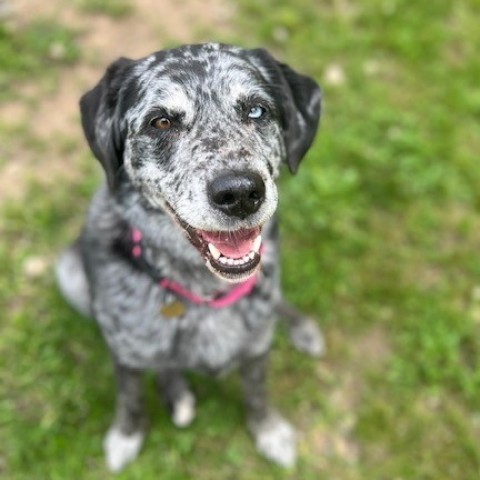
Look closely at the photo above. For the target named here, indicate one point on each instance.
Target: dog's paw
(183, 409)
(121, 449)
(275, 439)
(306, 337)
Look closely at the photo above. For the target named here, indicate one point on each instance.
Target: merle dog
(178, 258)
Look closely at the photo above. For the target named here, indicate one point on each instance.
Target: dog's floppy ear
(100, 113)
(303, 109)
(300, 103)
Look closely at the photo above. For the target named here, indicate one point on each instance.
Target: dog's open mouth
(234, 256)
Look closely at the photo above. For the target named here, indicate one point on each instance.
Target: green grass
(380, 235)
(33, 51)
(112, 8)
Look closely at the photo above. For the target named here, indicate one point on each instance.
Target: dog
(178, 257)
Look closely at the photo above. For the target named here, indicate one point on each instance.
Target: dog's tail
(304, 333)
(72, 280)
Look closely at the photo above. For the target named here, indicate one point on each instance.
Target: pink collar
(239, 291)
(232, 296)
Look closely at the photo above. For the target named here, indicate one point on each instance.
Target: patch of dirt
(52, 116)
(343, 380)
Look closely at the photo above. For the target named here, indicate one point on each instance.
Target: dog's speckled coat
(207, 91)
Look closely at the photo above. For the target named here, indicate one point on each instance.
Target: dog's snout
(238, 194)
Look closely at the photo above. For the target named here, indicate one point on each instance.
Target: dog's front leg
(274, 436)
(177, 395)
(125, 437)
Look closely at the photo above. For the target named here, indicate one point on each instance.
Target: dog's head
(201, 131)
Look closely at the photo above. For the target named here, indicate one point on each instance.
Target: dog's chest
(158, 331)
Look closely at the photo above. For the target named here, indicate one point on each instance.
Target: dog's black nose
(238, 194)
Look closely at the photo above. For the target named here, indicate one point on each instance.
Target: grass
(112, 8)
(384, 252)
(37, 48)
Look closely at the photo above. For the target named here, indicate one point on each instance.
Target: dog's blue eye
(256, 112)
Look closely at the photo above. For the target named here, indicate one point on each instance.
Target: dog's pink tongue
(233, 244)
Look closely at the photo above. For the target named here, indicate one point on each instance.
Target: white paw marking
(184, 410)
(275, 440)
(121, 449)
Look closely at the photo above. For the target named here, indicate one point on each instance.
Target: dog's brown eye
(162, 123)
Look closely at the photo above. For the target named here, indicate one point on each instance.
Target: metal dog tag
(172, 309)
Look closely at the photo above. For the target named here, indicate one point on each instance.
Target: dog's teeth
(256, 244)
(235, 261)
(214, 251)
